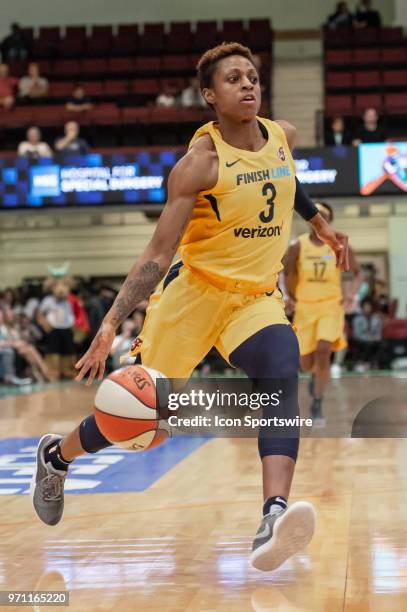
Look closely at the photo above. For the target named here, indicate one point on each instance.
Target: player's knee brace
(271, 359)
(92, 440)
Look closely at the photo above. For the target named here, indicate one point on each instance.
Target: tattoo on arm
(136, 288)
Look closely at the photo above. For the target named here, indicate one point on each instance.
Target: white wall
(286, 14)
(398, 259)
(98, 243)
(400, 12)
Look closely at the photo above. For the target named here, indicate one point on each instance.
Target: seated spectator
(33, 85)
(370, 130)
(71, 144)
(12, 339)
(367, 335)
(341, 18)
(167, 98)
(337, 133)
(191, 96)
(14, 46)
(366, 16)
(7, 87)
(7, 359)
(79, 101)
(33, 147)
(122, 342)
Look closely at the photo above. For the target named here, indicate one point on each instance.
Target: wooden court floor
(183, 544)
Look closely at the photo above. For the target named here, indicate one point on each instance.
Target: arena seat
(367, 79)
(233, 31)
(391, 36)
(366, 56)
(395, 329)
(135, 114)
(364, 101)
(206, 35)
(396, 55)
(175, 63)
(152, 38)
(19, 117)
(148, 64)
(116, 88)
(71, 67)
(339, 105)
(106, 114)
(99, 40)
(94, 66)
(44, 116)
(395, 103)
(145, 86)
(60, 89)
(365, 36)
(121, 65)
(395, 78)
(50, 34)
(93, 88)
(259, 34)
(338, 57)
(339, 80)
(179, 37)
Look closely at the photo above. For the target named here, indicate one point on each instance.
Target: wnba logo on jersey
(281, 154)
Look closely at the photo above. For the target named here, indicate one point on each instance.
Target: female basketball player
(229, 210)
(313, 281)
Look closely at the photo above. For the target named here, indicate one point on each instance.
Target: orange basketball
(127, 407)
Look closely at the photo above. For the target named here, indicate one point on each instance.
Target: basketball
(127, 406)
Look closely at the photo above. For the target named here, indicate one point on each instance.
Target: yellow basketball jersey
(239, 230)
(318, 277)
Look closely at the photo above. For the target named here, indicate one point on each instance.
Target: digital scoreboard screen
(86, 180)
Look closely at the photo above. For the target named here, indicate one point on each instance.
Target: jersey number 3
(268, 190)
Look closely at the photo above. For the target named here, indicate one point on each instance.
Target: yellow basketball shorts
(186, 317)
(319, 321)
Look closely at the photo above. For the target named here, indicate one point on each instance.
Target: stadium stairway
(297, 94)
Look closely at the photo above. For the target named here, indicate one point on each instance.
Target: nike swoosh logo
(229, 164)
(263, 534)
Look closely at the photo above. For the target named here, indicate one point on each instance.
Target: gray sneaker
(47, 485)
(281, 534)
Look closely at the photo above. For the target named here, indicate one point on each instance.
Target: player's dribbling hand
(93, 361)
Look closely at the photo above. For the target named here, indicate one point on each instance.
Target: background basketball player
(313, 281)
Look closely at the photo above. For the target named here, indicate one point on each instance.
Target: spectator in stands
(337, 133)
(14, 46)
(167, 99)
(122, 343)
(366, 16)
(341, 18)
(7, 87)
(33, 85)
(370, 130)
(367, 335)
(33, 147)
(12, 339)
(71, 144)
(191, 96)
(79, 101)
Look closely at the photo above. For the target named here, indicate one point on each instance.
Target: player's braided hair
(207, 63)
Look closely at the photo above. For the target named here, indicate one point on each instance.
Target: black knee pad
(92, 440)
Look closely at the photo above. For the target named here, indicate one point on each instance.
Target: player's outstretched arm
(336, 240)
(290, 268)
(188, 177)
